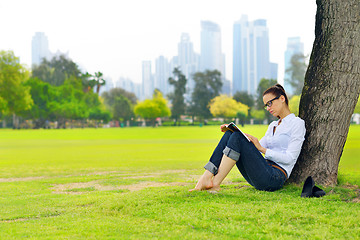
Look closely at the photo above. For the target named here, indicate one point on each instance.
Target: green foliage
(56, 71)
(207, 86)
(225, 106)
(120, 103)
(14, 95)
(153, 108)
(294, 104)
(122, 109)
(110, 96)
(177, 97)
(67, 101)
(357, 107)
(244, 98)
(258, 114)
(99, 81)
(296, 71)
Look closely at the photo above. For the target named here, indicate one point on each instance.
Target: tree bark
(331, 90)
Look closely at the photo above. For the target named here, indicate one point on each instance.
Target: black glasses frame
(269, 103)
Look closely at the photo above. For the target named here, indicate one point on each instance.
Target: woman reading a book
(265, 164)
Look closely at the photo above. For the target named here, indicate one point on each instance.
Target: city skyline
(127, 33)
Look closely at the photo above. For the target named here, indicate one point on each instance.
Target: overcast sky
(115, 36)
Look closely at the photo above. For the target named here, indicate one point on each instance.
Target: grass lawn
(132, 183)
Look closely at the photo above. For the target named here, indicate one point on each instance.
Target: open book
(232, 127)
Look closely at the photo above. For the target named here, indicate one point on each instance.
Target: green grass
(132, 183)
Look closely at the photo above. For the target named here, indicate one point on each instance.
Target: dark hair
(277, 90)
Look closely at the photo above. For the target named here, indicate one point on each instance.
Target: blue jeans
(256, 170)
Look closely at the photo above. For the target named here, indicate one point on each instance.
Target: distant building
(40, 48)
(130, 86)
(188, 60)
(273, 70)
(211, 56)
(162, 73)
(210, 52)
(294, 46)
(251, 57)
(147, 80)
(109, 84)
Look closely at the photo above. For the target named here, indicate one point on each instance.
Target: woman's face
(273, 104)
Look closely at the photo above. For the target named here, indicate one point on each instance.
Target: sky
(115, 36)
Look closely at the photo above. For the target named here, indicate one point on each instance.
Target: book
(233, 128)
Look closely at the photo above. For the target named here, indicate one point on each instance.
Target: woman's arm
(294, 147)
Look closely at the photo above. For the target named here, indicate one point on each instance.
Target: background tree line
(57, 91)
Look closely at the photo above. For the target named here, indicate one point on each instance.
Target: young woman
(265, 164)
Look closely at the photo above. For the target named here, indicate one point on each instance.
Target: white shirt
(283, 147)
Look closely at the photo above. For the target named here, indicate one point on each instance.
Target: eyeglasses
(269, 103)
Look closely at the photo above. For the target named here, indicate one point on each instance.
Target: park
(80, 164)
(132, 183)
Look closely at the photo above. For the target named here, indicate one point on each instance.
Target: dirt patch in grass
(23, 179)
(81, 188)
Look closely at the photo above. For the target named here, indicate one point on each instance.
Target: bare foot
(214, 189)
(204, 183)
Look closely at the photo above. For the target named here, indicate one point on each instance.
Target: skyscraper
(211, 57)
(40, 48)
(251, 60)
(188, 60)
(162, 72)
(294, 46)
(147, 80)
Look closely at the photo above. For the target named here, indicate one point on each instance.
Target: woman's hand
(256, 142)
(223, 127)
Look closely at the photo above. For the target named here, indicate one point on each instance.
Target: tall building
(294, 46)
(147, 80)
(40, 48)
(188, 60)
(251, 60)
(211, 56)
(162, 73)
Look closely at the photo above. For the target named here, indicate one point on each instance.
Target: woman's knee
(236, 139)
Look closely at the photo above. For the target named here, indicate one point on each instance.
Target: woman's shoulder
(298, 122)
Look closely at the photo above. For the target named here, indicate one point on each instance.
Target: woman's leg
(225, 167)
(253, 166)
(212, 167)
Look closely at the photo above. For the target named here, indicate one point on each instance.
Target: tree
(122, 109)
(177, 97)
(207, 86)
(120, 103)
(14, 95)
(258, 114)
(57, 70)
(109, 97)
(246, 99)
(99, 81)
(296, 73)
(150, 109)
(331, 85)
(226, 107)
(294, 104)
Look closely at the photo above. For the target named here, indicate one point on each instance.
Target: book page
(232, 127)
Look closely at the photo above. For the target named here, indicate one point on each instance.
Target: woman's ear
(282, 98)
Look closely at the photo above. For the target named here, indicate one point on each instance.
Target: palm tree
(99, 81)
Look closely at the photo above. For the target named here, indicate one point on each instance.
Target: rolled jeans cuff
(211, 168)
(234, 155)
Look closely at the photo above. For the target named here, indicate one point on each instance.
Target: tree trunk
(331, 90)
